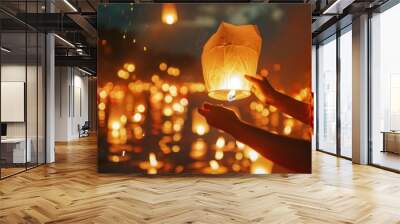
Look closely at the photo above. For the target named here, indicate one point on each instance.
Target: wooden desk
(391, 141)
(16, 147)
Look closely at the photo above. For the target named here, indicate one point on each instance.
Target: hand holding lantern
(230, 54)
(220, 117)
(263, 89)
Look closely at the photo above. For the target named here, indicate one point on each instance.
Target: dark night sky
(285, 30)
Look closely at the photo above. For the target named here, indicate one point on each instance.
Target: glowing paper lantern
(169, 15)
(230, 54)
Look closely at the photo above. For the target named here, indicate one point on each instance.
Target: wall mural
(204, 88)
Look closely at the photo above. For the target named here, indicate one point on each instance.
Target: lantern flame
(231, 95)
(214, 165)
(153, 160)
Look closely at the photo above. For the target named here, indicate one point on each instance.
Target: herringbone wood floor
(71, 191)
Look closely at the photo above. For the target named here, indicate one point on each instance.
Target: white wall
(71, 102)
(16, 73)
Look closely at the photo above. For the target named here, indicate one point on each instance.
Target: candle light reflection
(162, 116)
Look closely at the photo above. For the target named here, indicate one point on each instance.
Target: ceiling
(75, 22)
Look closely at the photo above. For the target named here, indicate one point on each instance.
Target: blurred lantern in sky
(230, 54)
(169, 14)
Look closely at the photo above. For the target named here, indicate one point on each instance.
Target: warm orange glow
(153, 160)
(152, 165)
(102, 106)
(240, 145)
(129, 67)
(167, 111)
(177, 127)
(173, 90)
(239, 156)
(163, 66)
(103, 94)
(177, 137)
(220, 142)
(228, 55)
(287, 130)
(165, 87)
(199, 149)
(137, 117)
(155, 78)
(116, 125)
(138, 132)
(141, 108)
(265, 112)
(178, 107)
(214, 165)
(184, 102)
(123, 74)
(169, 14)
(252, 154)
(253, 105)
(123, 119)
(199, 123)
(168, 99)
(173, 71)
(176, 148)
(259, 107)
(272, 109)
(215, 168)
(258, 170)
(152, 170)
(219, 154)
(184, 90)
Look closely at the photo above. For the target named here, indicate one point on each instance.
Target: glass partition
(385, 89)
(22, 91)
(13, 117)
(327, 96)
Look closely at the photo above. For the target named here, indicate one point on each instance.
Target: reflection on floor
(11, 169)
(387, 159)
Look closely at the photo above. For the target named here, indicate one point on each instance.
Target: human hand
(220, 117)
(263, 89)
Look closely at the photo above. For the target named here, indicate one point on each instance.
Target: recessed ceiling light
(337, 7)
(5, 50)
(64, 40)
(84, 71)
(70, 5)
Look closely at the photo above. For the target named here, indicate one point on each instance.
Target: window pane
(327, 96)
(386, 88)
(346, 94)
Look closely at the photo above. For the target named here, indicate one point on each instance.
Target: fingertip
(248, 77)
(253, 79)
